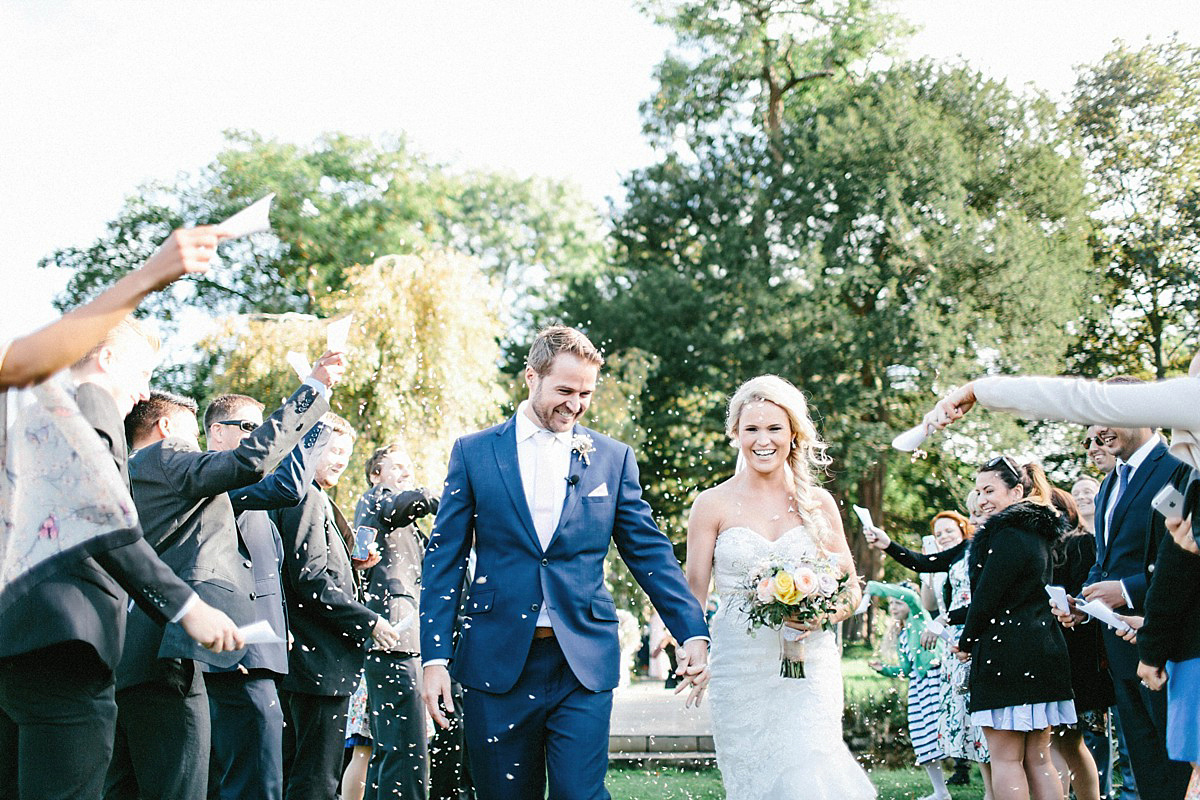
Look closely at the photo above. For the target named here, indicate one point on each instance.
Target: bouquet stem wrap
(791, 652)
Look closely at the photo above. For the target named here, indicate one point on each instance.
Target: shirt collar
(527, 428)
(1140, 454)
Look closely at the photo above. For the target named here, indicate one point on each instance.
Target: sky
(98, 96)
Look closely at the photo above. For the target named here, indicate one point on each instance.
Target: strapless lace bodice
(775, 737)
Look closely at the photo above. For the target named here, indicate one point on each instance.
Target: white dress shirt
(544, 458)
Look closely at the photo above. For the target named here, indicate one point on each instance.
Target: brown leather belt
(543, 633)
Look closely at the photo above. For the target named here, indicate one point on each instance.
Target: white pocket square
(599, 491)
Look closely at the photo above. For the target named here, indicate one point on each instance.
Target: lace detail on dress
(775, 737)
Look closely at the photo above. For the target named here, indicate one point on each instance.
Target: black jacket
(85, 600)
(393, 586)
(1018, 654)
(330, 624)
(940, 561)
(1074, 556)
(181, 495)
(1171, 631)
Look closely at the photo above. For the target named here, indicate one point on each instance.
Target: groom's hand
(437, 687)
(692, 670)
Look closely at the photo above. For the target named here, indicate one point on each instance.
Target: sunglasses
(1007, 463)
(1105, 440)
(245, 424)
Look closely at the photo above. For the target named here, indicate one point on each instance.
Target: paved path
(645, 708)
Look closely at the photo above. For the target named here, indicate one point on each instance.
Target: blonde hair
(808, 450)
(127, 330)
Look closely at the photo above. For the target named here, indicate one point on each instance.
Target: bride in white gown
(776, 737)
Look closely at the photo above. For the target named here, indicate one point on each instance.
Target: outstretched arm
(34, 358)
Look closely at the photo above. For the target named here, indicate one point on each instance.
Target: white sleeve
(1173, 403)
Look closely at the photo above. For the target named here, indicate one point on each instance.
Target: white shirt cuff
(699, 638)
(319, 387)
(191, 602)
(436, 662)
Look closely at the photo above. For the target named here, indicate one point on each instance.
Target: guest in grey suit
(60, 640)
(243, 700)
(163, 735)
(399, 765)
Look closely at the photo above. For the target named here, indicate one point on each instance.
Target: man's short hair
(223, 407)
(127, 330)
(375, 462)
(338, 424)
(560, 339)
(146, 414)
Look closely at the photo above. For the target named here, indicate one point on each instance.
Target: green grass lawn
(676, 784)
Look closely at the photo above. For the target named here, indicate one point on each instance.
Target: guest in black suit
(243, 700)
(60, 641)
(329, 623)
(399, 762)
(1124, 537)
(163, 722)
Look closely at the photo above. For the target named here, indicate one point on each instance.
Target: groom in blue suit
(539, 498)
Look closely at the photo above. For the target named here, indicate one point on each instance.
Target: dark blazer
(330, 625)
(181, 494)
(393, 586)
(1124, 557)
(1018, 654)
(1074, 556)
(1171, 631)
(484, 505)
(85, 601)
(283, 488)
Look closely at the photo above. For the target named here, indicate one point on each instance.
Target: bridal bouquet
(804, 591)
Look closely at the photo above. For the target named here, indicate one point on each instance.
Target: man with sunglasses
(163, 718)
(243, 700)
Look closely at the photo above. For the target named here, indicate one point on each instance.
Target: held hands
(185, 252)
(211, 628)
(692, 670)
(876, 537)
(436, 686)
(330, 368)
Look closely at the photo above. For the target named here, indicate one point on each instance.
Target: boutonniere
(582, 444)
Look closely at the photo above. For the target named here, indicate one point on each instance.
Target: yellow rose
(784, 588)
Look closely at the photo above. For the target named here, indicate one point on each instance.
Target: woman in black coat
(1020, 675)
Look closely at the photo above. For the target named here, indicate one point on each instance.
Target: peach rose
(764, 590)
(806, 581)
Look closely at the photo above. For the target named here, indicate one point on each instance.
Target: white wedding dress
(775, 737)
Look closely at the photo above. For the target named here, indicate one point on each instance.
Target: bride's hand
(692, 670)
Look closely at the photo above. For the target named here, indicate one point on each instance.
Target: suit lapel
(1136, 483)
(571, 502)
(505, 446)
(1099, 520)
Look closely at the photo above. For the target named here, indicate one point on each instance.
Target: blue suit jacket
(484, 506)
(1123, 556)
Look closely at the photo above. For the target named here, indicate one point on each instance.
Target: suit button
(545, 562)
(247, 564)
(534, 607)
(1150, 568)
(253, 596)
